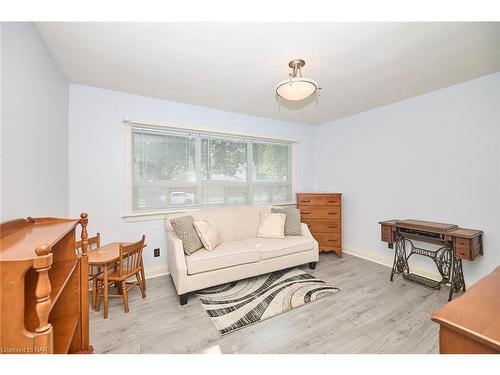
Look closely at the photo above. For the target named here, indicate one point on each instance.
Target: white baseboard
(156, 271)
(388, 260)
(162, 270)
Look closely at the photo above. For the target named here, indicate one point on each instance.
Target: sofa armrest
(304, 229)
(176, 260)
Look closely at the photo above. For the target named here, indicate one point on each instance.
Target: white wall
(432, 157)
(1, 126)
(34, 118)
(97, 156)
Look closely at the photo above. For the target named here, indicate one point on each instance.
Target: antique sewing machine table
(456, 244)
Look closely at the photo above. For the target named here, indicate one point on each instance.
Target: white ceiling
(235, 66)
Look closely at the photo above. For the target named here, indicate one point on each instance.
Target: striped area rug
(235, 305)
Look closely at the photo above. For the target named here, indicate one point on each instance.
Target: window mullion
(250, 169)
(291, 172)
(197, 166)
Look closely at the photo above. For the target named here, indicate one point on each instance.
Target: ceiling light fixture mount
(296, 87)
(296, 64)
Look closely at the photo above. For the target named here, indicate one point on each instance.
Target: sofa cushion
(183, 227)
(235, 223)
(273, 248)
(227, 254)
(292, 222)
(272, 225)
(208, 232)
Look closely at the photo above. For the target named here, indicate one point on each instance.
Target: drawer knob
(461, 242)
(306, 212)
(305, 200)
(332, 201)
(462, 252)
(332, 226)
(332, 213)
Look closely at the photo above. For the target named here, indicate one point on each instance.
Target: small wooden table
(104, 257)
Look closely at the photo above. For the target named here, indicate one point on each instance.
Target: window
(175, 169)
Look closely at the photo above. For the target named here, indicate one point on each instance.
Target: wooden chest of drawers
(322, 214)
(471, 324)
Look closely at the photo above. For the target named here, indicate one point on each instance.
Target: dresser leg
(312, 265)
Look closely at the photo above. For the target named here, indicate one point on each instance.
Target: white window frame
(131, 215)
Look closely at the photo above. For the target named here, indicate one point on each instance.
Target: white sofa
(241, 254)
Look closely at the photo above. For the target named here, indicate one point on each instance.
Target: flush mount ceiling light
(296, 87)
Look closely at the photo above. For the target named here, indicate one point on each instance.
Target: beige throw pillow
(272, 225)
(208, 232)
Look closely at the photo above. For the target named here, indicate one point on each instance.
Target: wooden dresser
(322, 214)
(43, 287)
(471, 323)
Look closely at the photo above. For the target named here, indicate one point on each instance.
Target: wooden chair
(94, 271)
(129, 264)
(93, 243)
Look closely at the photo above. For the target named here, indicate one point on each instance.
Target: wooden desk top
(430, 226)
(19, 238)
(426, 225)
(476, 314)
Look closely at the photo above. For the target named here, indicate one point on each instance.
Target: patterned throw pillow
(208, 232)
(183, 227)
(272, 225)
(292, 222)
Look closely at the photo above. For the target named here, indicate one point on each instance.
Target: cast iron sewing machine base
(448, 265)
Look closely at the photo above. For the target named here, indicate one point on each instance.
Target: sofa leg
(312, 265)
(184, 298)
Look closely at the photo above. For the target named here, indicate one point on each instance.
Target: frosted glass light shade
(299, 88)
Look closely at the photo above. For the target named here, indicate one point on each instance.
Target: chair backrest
(130, 258)
(93, 242)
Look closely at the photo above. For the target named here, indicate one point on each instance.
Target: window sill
(160, 215)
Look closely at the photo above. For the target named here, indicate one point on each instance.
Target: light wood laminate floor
(370, 315)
